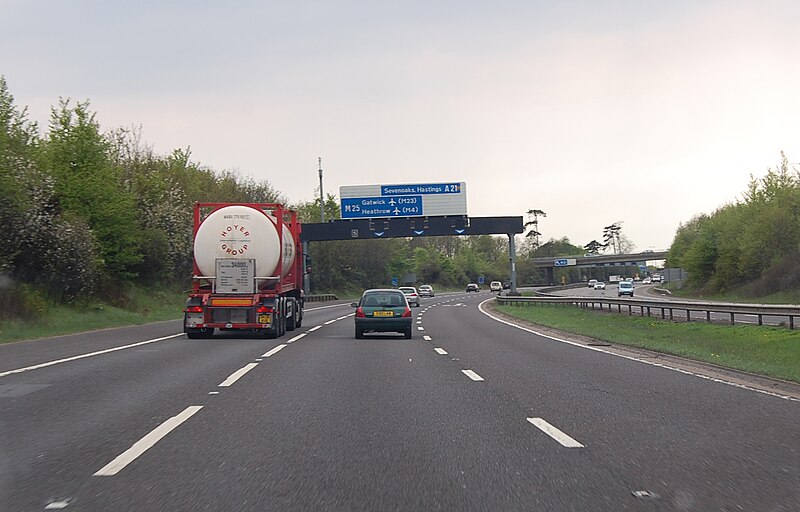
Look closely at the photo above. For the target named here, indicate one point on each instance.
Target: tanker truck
(247, 270)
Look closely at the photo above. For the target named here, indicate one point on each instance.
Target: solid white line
(274, 351)
(298, 337)
(326, 307)
(472, 375)
(99, 352)
(440, 351)
(556, 434)
(426, 338)
(237, 375)
(147, 442)
(631, 358)
(314, 328)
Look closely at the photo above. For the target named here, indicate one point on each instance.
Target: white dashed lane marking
(238, 374)
(147, 442)
(556, 434)
(274, 351)
(440, 351)
(472, 375)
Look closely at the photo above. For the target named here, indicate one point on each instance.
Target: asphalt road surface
(471, 414)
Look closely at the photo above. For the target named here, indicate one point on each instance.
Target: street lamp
(321, 197)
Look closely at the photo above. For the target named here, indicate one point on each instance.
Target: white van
(496, 286)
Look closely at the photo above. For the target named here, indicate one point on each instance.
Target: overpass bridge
(609, 261)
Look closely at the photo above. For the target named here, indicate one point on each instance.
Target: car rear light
(407, 312)
(194, 309)
(264, 309)
(360, 313)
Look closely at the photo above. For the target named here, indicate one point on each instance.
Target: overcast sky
(645, 112)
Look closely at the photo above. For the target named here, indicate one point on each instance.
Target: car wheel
(359, 333)
(407, 333)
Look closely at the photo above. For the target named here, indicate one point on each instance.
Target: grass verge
(144, 306)
(771, 351)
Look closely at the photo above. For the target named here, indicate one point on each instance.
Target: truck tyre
(199, 334)
(291, 322)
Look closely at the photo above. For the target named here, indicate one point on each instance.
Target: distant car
(657, 278)
(411, 295)
(496, 286)
(591, 283)
(382, 310)
(599, 285)
(625, 288)
(506, 285)
(472, 287)
(629, 279)
(426, 290)
(647, 280)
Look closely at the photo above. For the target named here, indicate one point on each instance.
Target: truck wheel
(291, 322)
(199, 334)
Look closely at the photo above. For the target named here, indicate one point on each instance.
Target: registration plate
(383, 313)
(264, 318)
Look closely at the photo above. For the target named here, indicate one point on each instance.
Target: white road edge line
(82, 356)
(440, 351)
(562, 438)
(631, 358)
(237, 375)
(326, 307)
(472, 375)
(274, 351)
(147, 442)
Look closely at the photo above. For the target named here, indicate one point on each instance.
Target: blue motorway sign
(433, 188)
(391, 206)
(394, 281)
(561, 263)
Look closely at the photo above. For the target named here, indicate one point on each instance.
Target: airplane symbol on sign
(396, 211)
(391, 202)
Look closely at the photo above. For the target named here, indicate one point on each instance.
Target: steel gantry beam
(409, 227)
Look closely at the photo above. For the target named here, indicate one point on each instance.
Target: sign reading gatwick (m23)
(416, 200)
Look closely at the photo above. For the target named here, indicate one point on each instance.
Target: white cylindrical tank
(242, 232)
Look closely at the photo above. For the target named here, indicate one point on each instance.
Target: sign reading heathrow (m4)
(423, 200)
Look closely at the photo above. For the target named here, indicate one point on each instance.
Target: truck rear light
(264, 309)
(194, 309)
(360, 313)
(406, 313)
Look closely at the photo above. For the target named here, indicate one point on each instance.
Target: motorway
(471, 414)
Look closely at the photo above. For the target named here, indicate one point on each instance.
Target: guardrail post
(759, 319)
(708, 316)
(791, 322)
(648, 310)
(732, 320)
(688, 315)
(662, 314)
(629, 310)
(670, 314)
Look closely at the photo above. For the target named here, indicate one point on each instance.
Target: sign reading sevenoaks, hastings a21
(427, 200)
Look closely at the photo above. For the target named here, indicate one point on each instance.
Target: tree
(88, 186)
(593, 247)
(611, 234)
